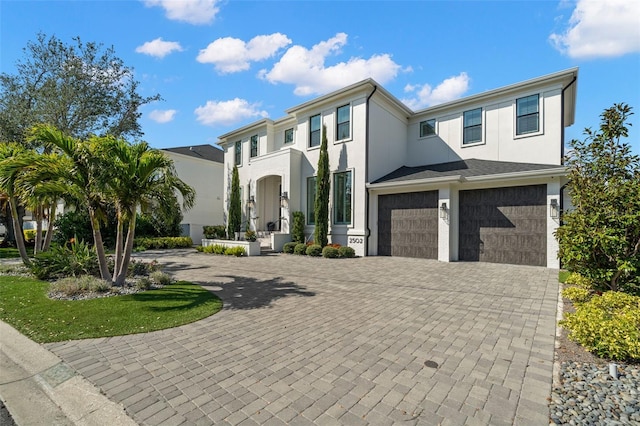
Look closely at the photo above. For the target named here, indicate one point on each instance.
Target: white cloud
(159, 48)
(601, 29)
(195, 12)
(228, 112)
(162, 116)
(425, 95)
(305, 68)
(230, 54)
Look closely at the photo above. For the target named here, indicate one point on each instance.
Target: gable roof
(205, 152)
(469, 170)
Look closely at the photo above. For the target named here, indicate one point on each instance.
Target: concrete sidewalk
(39, 389)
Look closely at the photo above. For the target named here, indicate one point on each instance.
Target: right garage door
(504, 225)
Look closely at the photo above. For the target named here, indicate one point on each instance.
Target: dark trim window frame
(238, 153)
(528, 115)
(315, 126)
(288, 136)
(311, 200)
(342, 198)
(254, 146)
(428, 128)
(472, 126)
(343, 122)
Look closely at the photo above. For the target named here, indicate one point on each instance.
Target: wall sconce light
(554, 209)
(251, 201)
(283, 198)
(444, 213)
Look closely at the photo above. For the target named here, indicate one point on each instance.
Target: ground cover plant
(223, 250)
(25, 306)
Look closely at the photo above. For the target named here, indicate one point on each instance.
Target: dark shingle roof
(465, 168)
(206, 152)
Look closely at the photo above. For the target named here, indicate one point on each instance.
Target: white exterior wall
(206, 178)
(387, 139)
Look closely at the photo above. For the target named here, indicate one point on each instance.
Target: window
(311, 200)
(254, 146)
(527, 115)
(238, 153)
(288, 136)
(314, 131)
(428, 128)
(472, 126)
(343, 131)
(342, 198)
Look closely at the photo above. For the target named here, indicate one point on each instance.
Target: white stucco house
(476, 179)
(201, 167)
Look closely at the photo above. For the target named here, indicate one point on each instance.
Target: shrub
(140, 267)
(145, 243)
(607, 325)
(289, 247)
(330, 252)
(200, 249)
(215, 232)
(579, 281)
(345, 251)
(577, 295)
(71, 286)
(250, 235)
(235, 251)
(314, 250)
(143, 283)
(160, 278)
(300, 248)
(297, 235)
(67, 260)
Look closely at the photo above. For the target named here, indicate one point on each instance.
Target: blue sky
(222, 64)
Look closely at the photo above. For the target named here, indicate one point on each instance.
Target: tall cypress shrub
(298, 227)
(322, 194)
(235, 206)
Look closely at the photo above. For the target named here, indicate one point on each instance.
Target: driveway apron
(375, 340)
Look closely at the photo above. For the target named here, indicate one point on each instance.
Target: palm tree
(11, 156)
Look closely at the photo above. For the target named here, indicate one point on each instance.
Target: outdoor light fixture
(554, 209)
(251, 201)
(284, 196)
(444, 213)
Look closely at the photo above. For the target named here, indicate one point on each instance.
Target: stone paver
(318, 341)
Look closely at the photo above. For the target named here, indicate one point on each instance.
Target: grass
(563, 275)
(12, 252)
(25, 306)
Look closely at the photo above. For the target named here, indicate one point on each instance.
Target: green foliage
(300, 248)
(577, 295)
(330, 252)
(162, 243)
(235, 251)
(578, 280)
(250, 235)
(600, 238)
(346, 251)
(77, 225)
(215, 232)
(142, 268)
(607, 325)
(72, 286)
(235, 206)
(322, 194)
(297, 236)
(160, 278)
(74, 259)
(143, 283)
(163, 221)
(314, 250)
(289, 247)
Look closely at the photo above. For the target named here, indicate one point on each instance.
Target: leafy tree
(321, 205)
(235, 204)
(600, 237)
(79, 88)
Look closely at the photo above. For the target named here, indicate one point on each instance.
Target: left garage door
(408, 225)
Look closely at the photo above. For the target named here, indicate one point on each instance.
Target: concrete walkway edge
(33, 380)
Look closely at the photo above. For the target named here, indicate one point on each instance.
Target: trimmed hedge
(222, 250)
(300, 248)
(289, 247)
(215, 232)
(314, 250)
(346, 251)
(330, 252)
(162, 243)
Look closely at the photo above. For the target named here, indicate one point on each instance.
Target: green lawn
(11, 252)
(25, 306)
(563, 275)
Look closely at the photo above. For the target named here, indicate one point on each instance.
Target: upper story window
(254, 146)
(342, 198)
(343, 130)
(311, 200)
(288, 136)
(314, 130)
(528, 114)
(428, 128)
(238, 153)
(472, 132)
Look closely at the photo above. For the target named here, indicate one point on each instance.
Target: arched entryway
(268, 212)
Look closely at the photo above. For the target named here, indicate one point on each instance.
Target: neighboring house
(201, 167)
(476, 179)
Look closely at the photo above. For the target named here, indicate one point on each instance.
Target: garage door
(408, 225)
(504, 225)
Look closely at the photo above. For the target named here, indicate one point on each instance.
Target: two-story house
(476, 179)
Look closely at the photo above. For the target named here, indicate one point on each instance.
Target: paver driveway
(312, 340)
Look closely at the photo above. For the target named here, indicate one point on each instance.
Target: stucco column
(553, 209)
(444, 221)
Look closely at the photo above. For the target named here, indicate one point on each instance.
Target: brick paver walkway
(318, 341)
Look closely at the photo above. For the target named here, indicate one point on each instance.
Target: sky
(220, 65)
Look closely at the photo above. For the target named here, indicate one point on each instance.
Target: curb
(38, 388)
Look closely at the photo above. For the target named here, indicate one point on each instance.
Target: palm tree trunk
(128, 249)
(119, 243)
(49, 236)
(17, 230)
(38, 213)
(99, 245)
